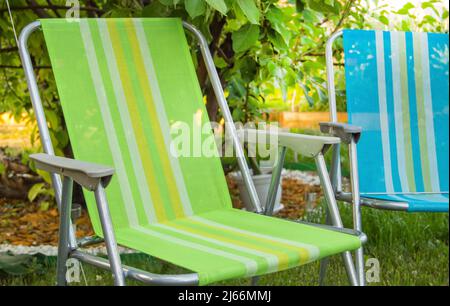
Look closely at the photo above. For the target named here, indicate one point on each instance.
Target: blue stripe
(360, 70)
(438, 47)
(390, 109)
(418, 176)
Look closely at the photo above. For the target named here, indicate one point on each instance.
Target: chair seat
(231, 243)
(418, 202)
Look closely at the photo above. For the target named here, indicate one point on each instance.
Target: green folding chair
(123, 84)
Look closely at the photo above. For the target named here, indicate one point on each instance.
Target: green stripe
(420, 98)
(406, 113)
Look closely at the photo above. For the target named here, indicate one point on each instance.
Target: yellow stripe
(154, 120)
(137, 126)
(283, 258)
(405, 112)
(304, 254)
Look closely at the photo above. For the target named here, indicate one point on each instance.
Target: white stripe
(161, 112)
(399, 193)
(398, 111)
(272, 260)
(312, 249)
(384, 121)
(108, 122)
(126, 121)
(250, 264)
(434, 172)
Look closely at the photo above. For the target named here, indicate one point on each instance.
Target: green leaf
(218, 5)
(277, 40)
(16, 264)
(245, 38)
(156, 9)
(52, 118)
(405, 9)
(322, 7)
(275, 16)
(383, 19)
(2, 168)
(34, 191)
(44, 206)
(300, 5)
(220, 62)
(250, 10)
(195, 8)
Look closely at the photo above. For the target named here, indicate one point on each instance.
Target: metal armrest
(86, 174)
(342, 130)
(306, 145)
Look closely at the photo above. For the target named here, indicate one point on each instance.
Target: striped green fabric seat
(124, 85)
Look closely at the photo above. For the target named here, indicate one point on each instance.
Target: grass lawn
(412, 250)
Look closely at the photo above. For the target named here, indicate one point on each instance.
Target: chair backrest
(398, 90)
(123, 85)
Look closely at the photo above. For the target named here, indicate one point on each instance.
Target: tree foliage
(268, 52)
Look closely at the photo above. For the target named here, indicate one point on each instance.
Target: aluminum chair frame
(68, 246)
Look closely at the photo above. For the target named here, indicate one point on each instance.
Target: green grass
(412, 250)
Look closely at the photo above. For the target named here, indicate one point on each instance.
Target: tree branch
(41, 13)
(51, 7)
(9, 49)
(20, 67)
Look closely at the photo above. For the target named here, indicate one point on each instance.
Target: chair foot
(254, 281)
(323, 270)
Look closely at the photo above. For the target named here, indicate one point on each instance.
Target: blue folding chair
(397, 96)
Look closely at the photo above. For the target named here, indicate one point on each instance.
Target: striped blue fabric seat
(398, 91)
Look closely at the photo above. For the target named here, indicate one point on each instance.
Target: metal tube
(108, 233)
(275, 182)
(336, 162)
(39, 111)
(89, 241)
(330, 75)
(324, 262)
(218, 90)
(334, 213)
(374, 203)
(64, 230)
(137, 274)
(357, 221)
(335, 172)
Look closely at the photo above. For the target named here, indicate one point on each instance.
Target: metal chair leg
(108, 233)
(357, 220)
(64, 230)
(323, 271)
(254, 281)
(334, 214)
(324, 262)
(272, 195)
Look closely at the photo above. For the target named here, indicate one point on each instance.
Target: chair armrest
(306, 145)
(86, 174)
(346, 132)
